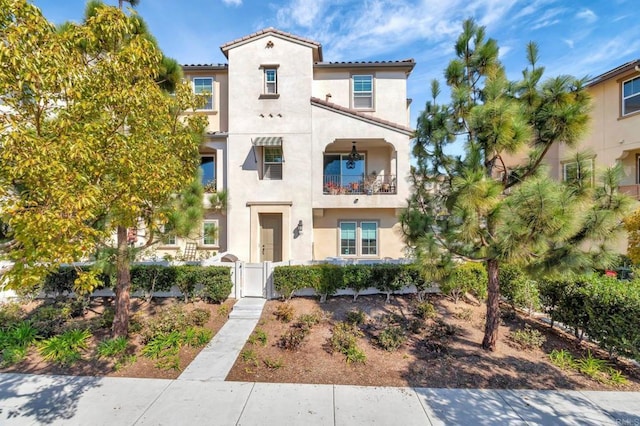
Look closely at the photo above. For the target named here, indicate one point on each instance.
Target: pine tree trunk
(493, 307)
(123, 286)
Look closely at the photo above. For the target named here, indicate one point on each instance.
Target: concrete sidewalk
(31, 399)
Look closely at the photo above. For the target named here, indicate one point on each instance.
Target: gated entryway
(254, 279)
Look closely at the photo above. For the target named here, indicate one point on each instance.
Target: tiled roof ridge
(399, 61)
(358, 114)
(270, 30)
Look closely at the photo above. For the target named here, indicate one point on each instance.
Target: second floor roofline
(622, 69)
(406, 64)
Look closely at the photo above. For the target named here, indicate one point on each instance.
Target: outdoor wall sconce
(300, 227)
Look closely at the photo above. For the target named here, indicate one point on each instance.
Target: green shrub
(14, 342)
(527, 338)
(152, 278)
(288, 279)
(65, 348)
(196, 336)
(187, 279)
(10, 313)
(273, 364)
(330, 279)
(592, 367)
(168, 320)
(354, 354)
(390, 278)
(258, 336)
(49, 320)
(425, 310)
(223, 310)
(356, 317)
(604, 308)
(284, 312)
(343, 337)
(562, 359)
(216, 283)
(466, 277)
(164, 348)
(293, 338)
(309, 320)
(357, 278)
(518, 289)
(199, 316)
(391, 338)
(112, 348)
(249, 356)
(62, 281)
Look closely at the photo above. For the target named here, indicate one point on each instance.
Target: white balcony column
(220, 163)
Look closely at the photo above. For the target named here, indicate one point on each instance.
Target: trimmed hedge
(326, 279)
(212, 283)
(518, 288)
(605, 309)
(468, 277)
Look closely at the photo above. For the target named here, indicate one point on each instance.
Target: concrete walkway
(31, 400)
(201, 396)
(214, 362)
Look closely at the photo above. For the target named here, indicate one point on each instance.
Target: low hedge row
(327, 279)
(212, 283)
(604, 308)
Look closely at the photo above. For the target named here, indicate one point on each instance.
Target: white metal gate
(254, 280)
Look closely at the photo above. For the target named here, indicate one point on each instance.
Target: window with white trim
(270, 81)
(631, 96)
(203, 86)
(358, 238)
(362, 90)
(574, 171)
(272, 162)
(210, 232)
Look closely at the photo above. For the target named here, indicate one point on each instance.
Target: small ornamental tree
(482, 208)
(91, 145)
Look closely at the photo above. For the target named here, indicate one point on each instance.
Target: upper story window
(270, 81)
(210, 232)
(208, 172)
(631, 96)
(363, 91)
(204, 86)
(272, 165)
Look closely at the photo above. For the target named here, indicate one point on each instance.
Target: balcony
(630, 190)
(359, 184)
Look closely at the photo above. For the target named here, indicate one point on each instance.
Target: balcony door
(337, 173)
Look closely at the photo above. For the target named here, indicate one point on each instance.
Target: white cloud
(232, 2)
(588, 15)
(568, 42)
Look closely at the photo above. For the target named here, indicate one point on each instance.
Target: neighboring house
(614, 134)
(314, 155)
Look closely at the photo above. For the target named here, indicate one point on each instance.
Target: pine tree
(479, 207)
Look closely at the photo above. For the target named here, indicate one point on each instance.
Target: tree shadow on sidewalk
(44, 399)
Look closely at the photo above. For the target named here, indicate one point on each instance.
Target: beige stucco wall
(218, 117)
(289, 117)
(326, 231)
(389, 91)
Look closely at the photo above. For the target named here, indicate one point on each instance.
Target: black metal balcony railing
(359, 184)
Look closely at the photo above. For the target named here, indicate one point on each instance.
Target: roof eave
(622, 69)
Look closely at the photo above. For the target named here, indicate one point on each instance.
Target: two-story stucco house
(314, 155)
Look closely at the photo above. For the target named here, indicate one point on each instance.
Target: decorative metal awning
(267, 141)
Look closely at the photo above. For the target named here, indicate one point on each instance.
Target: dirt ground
(429, 358)
(90, 365)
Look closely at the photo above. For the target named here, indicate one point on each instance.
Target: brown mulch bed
(91, 365)
(429, 357)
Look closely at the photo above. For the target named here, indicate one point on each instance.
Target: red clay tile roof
(359, 115)
(225, 47)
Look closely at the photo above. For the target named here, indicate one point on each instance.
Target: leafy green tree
(91, 144)
(479, 207)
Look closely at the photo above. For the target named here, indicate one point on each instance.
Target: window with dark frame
(272, 164)
(362, 91)
(631, 96)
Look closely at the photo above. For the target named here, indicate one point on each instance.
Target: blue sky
(583, 38)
